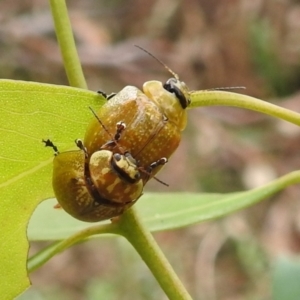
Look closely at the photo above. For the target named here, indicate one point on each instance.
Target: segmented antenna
(120, 148)
(160, 181)
(159, 61)
(107, 131)
(154, 177)
(103, 126)
(227, 88)
(177, 77)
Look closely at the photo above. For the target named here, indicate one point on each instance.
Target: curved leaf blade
(31, 112)
(161, 211)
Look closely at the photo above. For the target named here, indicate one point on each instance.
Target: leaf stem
(67, 45)
(137, 234)
(46, 254)
(221, 98)
(128, 225)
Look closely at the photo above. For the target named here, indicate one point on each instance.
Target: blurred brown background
(216, 43)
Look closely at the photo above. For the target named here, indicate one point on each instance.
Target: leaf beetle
(99, 186)
(154, 117)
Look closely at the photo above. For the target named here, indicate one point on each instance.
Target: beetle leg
(107, 97)
(80, 145)
(111, 96)
(120, 128)
(162, 161)
(114, 139)
(48, 143)
(110, 145)
(102, 94)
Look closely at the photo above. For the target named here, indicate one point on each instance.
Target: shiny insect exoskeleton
(154, 117)
(95, 188)
(99, 186)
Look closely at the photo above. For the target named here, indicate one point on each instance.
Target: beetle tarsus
(49, 143)
(102, 94)
(80, 145)
(121, 126)
(110, 145)
(162, 161)
(110, 96)
(107, 97)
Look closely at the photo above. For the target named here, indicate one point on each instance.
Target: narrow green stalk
(133, 230)
(221, 98)
(67, 45)
(265, 191)
(281, 182)
(143, 242)
(46, 254)
(129, 224)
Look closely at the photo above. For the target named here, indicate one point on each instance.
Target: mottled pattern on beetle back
(141, 116)
(164, 145)
(109, 185)
(148, 135)
(72, 194)
(68, 183)
(107, 178)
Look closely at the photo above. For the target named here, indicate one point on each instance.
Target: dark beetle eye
(117, 156)
(171, 86)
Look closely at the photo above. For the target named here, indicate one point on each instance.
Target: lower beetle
(97, 190)
(99, 186)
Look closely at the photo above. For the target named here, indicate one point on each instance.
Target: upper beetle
(154, 117)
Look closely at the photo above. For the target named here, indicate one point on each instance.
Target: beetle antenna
(159, 61)
(160, 181)
(149, 174)
(107, 131)
(228, 88)
(103, 126)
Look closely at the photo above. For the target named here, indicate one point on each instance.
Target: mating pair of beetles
(122, 149)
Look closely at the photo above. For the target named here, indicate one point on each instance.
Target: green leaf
(160, 211)
(31, 112)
